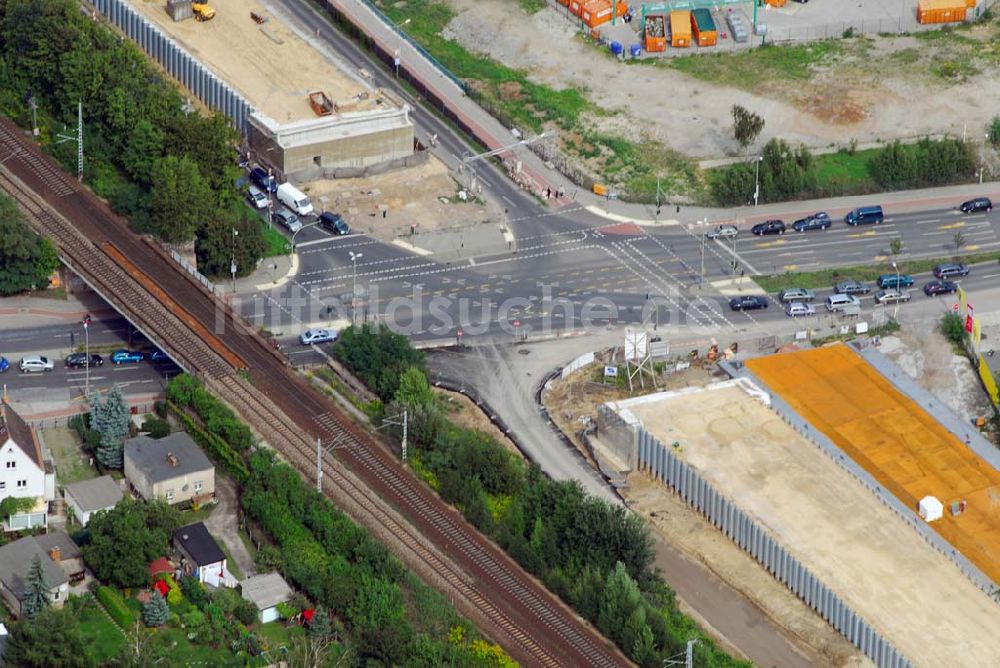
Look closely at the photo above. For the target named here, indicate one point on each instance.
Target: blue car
(158, 356)
(126, 357)
(817, 221)
(4, 364)
(260, 178)
(895, 281)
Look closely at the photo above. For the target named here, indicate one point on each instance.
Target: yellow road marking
(952, 226)
(791, 267)
(870, 233)
(880, 258)
(770, 244)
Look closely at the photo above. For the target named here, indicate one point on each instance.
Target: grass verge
(101, 638)
(754, 69)
(824, 278)
(275, 243)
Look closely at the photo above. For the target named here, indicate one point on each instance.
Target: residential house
(201, 556)
(59, 556)
(24, 472)
(89, 496)
(171, 468)
(266, 591)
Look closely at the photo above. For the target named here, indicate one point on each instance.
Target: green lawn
(101, 638)
(751, 69)
(843, 172)
(276, 635)
(72, 465)
(230, 562)
(825, 278)
(275, 242)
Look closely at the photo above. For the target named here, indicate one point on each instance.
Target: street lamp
(895, 308)
(295, 233)
(86, 336)
(399, 45)
(354, 290)
(756, 181)
(232, 262)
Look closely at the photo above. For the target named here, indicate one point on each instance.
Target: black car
(748, 303)
(852, 287)
(79, 360)
(333, 222)
(949, 269)
(978, 204)
(935, 288)
(817, 221)
(769, 227)
(266, 182)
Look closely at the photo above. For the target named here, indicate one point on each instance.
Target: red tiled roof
(12, 426)
(161, 565)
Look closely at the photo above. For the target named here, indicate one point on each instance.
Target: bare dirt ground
(466, 414)
(425, 196)
(875, 90)
(831, 523)
(254, 59)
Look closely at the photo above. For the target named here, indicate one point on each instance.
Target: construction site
(313, 116)
(855, 550)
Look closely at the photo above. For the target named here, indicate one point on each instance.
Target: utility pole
(354, 290)
(689, 654)
(400, 420)
(78, 139)
(33, 105)
(756, 178)
(86, 334)
(319, 457)
(232, 263)
(701, 276)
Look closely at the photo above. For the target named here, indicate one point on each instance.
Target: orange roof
(895, 440)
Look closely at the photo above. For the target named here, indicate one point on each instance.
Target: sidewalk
(23, 312)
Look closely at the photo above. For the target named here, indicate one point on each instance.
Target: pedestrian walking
(548, 193)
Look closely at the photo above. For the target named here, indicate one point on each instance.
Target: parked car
(748, 303)
(158, 356)
(817, 221)
(852, 287)
(4, 364)
(892, 295)
(311, 336)
(769, 227)
(796, 295)
(865, 215)
(977, 204)
(79, 360)
(949, 269)
(126, 357)
(895, 281)
(260, 178)
(288, 219)
(799, 308)
(36, 363)
(333, 223)
(723, 232)
(940, 288)
(257, 198)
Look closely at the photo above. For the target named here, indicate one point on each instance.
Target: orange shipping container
(656, 35)
(941, 11)
(622, 7)
(596, 12)
(703, 27)
(969, 4)
(564, 3)
(575, 7)
(680, 28)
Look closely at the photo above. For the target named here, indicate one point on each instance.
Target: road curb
(293, 270)
(618, 218)
(407, 246)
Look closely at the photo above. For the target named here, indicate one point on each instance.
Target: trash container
(635, 50)
(616, 48)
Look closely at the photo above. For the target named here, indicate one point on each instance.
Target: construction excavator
(202, 11)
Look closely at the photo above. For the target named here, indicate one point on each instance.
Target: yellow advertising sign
(961, 301)
(976, 332)
(989, 382)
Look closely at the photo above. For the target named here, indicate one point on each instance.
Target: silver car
(891, 295)
(796, 295)
(36, 363)
(723, 232)
(288, 219)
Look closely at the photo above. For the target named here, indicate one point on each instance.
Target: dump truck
(202, 11)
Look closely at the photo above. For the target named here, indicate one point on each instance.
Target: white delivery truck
(294, 199)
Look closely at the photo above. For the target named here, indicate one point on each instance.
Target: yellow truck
(202, 11)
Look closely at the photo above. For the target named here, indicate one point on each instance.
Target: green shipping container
(703, 27)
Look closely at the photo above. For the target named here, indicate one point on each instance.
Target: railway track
(206, 336)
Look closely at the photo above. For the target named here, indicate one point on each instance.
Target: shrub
(115, 605)
(953, 327)
(246, 612)
(156, 427)
(193, 619)
(194, 591)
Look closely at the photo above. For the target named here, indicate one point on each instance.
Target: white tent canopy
(930, 508)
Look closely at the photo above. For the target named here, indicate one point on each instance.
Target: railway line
(138, 277)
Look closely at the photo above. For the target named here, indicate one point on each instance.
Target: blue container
(616, 48)
(635, 50)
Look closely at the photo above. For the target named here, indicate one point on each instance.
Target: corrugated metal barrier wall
(207, 87)
(658, 460)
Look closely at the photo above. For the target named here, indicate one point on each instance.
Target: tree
(52, 640)
(144, 149)
(156, 612)
(180, 200)
(140, 651)
(320, 626)
(26, 260)
(993, 131)
(111, 419)
(746, 126)
(895, 246)
(215, 247)
(959, 240)
(36, 592)
(126, 538)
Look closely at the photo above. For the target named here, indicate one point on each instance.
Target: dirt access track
(834, 526)
(895, 440)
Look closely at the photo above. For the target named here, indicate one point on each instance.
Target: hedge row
(115, 605)
(187, 391)
(216, 448)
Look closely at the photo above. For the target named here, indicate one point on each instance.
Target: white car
(799, 308)
(311, 336)
(36, 363)
(723, 232)
(892, 295)
(257, 198)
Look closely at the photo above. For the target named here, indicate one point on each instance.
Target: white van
(839, 302)
(294, 199)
